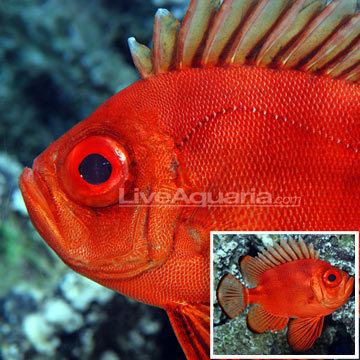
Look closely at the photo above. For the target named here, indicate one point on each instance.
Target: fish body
(210, 116)
(148, 132)
(290, 283)
(286, 290)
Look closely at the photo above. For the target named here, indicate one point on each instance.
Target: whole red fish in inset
(247, 97)
(290, 286)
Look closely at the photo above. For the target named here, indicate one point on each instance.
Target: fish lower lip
(349, 285)
(30, 188)
(36, 203)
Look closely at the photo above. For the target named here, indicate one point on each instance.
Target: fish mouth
(33, 190)
(349, 284)
(42, 213)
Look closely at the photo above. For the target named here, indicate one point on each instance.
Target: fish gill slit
(235, 108)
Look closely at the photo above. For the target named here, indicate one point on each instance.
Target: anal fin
(302, 333)
(191, 323)
(259, 320)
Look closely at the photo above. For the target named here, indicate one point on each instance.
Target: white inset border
(356, 314)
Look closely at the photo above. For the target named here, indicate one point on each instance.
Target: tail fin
(232, 296)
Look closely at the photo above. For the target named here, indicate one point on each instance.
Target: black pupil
(332, 277)
(95, 169)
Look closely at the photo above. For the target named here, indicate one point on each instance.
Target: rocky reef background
(59, 60)
(232, 337)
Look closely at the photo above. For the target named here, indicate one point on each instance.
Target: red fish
(250, 97)
(289, 282)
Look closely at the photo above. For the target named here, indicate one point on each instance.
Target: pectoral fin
(191, 323)
(302, 333)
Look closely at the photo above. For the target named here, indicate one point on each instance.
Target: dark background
(59, 60)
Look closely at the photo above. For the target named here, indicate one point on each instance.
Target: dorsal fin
(279, 253)
(193, 30)
(305, 35)
(227, 20)
(318, 31)
(290, 26)
(256, 25)
(166, 29)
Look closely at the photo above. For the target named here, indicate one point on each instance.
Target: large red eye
(332, 277)
(95, 171)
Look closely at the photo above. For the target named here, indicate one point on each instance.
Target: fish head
(332, 286)
(90, 194)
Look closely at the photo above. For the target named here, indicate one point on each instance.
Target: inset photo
(284, 295)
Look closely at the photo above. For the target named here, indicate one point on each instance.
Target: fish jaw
(41, 205)
(37, 205)
(349, 286)
(41, 202)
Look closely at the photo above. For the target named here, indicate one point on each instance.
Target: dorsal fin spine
(166, 28)
(354, 74)
(267, 255)
(276, 254)
(266, 260)
(292, 243)
(337, 43)
(281, 251)
(349, 60)
(226, 21)
(304, 249)
(293, 23)
(293, 34)
(288, 249)
(318, 31)
(311, 251)
(193, 29)
(254, 28)
(142, 58)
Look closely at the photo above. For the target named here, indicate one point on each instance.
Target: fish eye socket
(332, 277)
(95, 169)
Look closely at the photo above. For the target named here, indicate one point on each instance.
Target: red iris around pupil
(95, 171)
(332, 277)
